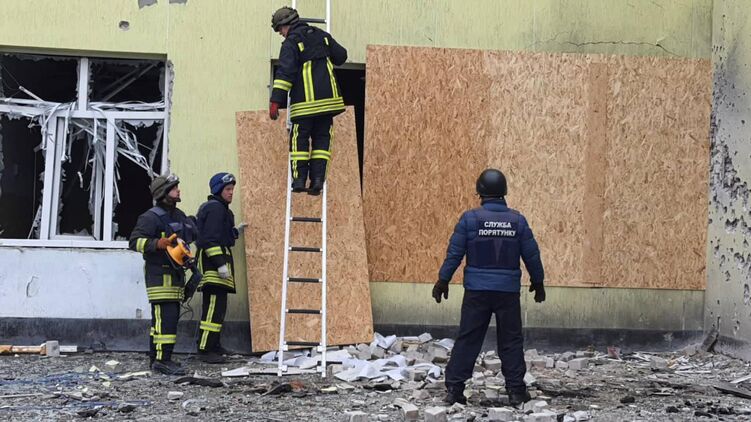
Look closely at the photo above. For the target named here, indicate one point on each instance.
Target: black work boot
(298, 185)
(316, 186)
(455, 396)
(168, 367)
(518, 397)
(221, 350)
(210, 357)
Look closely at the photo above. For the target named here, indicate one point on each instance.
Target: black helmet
(491, 184)
(162, 185)
(284, 16)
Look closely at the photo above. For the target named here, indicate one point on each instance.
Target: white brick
(410, 412)
(563, 365)
(356, 416)
(435, 414)
(492, 364)
(539, 363)
(425, 337)
(500, 414)
(541, 417)
(549, 363)
(578, 364)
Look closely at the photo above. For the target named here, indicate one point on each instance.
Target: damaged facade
(82, 147)
(102, 109)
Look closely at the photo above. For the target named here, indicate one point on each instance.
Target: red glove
(273, 110)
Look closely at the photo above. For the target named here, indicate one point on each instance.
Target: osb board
(262, 146)
(570, 133)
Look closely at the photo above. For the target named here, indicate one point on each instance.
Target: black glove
(440, 288)
(191, 286)
(539, 290)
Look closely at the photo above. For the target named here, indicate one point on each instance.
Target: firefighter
(493, 237)
(306, 72)
(165, 281)
(216, 237)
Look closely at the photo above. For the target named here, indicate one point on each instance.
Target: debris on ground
(401, 379)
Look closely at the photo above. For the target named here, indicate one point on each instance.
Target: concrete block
(578, 364)
(175, 395)
(436, 414)
(331, 370)
(378, 353)
(112, 365)
(425, 337)
(539, 363)
(51, 348)
(500, 414)
(529, 379)
(535, 406)
(492, 364)
(541, 417)
(420, 395)
(397, 346)
(549, 363)
(410, 412)
(417, 374)
(582, 415)
(439, 354)
(490, 394)
(567, 356)
(356, 416)
(563, 365)
(531, 354)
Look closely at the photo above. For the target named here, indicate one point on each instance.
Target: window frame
(53, 129)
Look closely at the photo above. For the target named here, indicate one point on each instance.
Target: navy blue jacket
(500, 270)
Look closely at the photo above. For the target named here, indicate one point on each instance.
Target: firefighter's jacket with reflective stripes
(306, 72)
(216, 237)
(165, 281)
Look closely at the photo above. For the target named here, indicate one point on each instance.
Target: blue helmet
(219, 181)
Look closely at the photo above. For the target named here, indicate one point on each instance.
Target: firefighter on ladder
(306, 73)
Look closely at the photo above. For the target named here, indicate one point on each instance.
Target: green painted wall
(221, 50)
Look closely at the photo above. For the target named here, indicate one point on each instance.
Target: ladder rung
(304, 311)
(307, 219)
(303, 343)
(303, 249)
(303, 280)
(313, 20)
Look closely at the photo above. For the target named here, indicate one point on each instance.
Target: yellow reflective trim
(214, 251)
(158, 329)
(332, 78)
(167, 280)
(141, 244)
(282, 87)
(165, 339)
(295, 173)
(210, 326)
(301, 46)
(317, 103)
(317, 110)
(307, 80)
(283, 83)
(326, 40)
(209, 315)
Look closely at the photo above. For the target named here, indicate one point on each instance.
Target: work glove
(273, 110)
(440, 288)
(163, 242)
(223, 272)
(239, 229)
(539, 290)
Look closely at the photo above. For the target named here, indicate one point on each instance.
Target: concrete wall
(221, 52)
(728, 297)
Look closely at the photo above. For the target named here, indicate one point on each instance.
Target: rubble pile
(391, 379)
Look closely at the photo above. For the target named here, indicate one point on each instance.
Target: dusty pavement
(607, 387)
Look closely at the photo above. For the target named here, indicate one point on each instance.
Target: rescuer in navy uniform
(494, 238)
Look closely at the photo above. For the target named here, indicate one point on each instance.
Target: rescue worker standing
(306, 71)
(493, 237)
(216, 237)
(165, 281)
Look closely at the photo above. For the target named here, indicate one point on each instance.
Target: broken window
(21, 172)
(81, 141)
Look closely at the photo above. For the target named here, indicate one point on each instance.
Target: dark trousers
(320, 130)
(164, 316)
(212, 317)
(477, 309)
